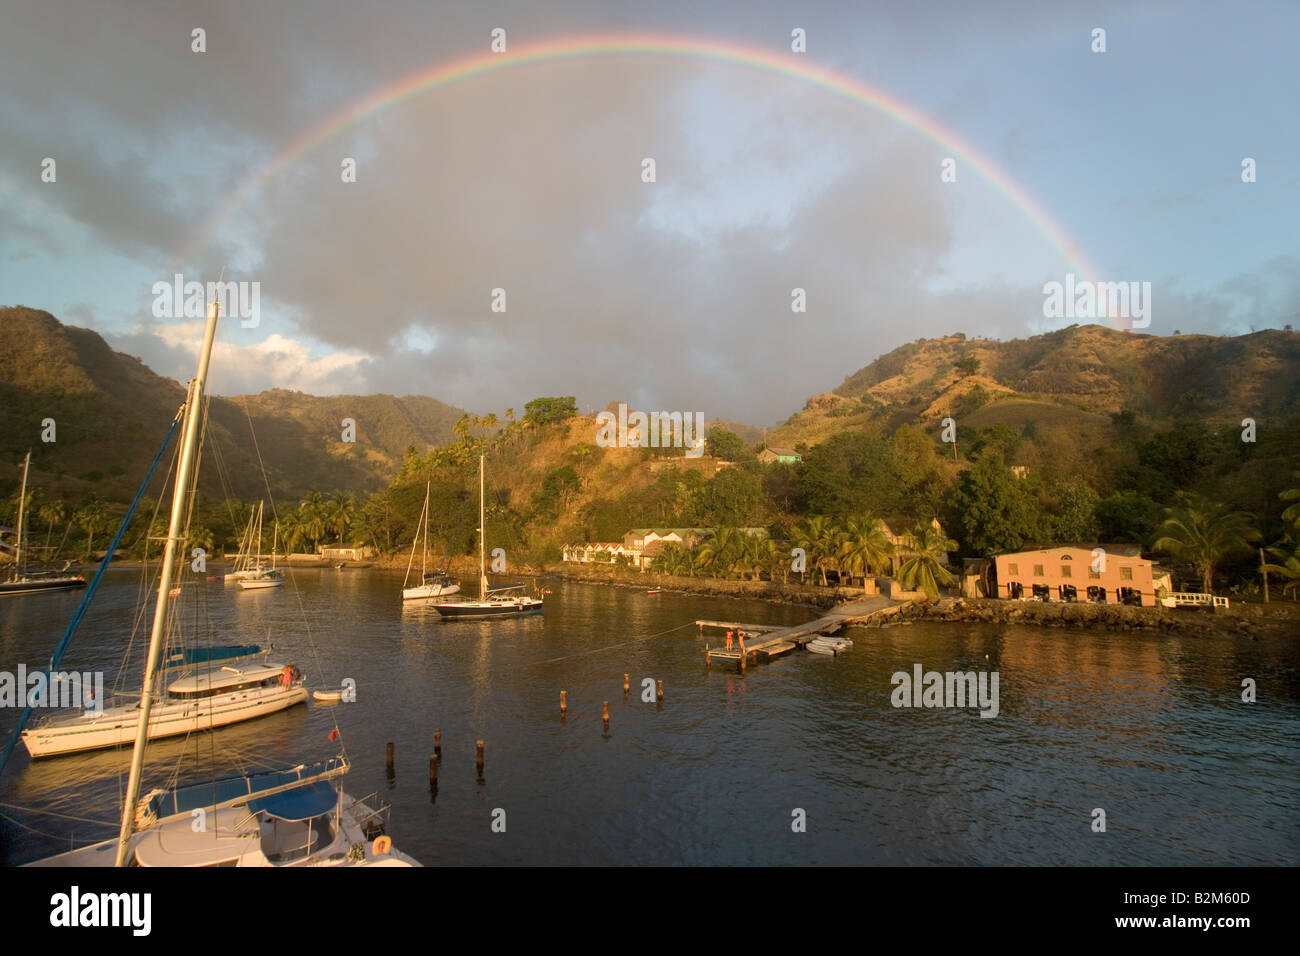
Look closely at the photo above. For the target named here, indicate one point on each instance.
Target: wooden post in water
(605, 714)
(660, 690)
(433, 770)
(388, 761)
(437, 743)
(564, 704)
(479, 758)
(626, 685)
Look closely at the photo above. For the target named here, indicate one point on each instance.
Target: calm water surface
(1150, 728)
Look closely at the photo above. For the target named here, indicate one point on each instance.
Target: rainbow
(603, 45)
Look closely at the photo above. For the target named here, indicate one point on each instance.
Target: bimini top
(296, 805)
(209, 655)
(226, 790)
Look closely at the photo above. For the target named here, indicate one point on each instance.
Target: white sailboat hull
(116, 726)
(260, 584)
(429, 591)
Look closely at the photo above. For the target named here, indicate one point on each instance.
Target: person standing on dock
(742, 643)
(728, 640)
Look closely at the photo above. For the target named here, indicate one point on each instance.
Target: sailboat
(491, 603)
(294, 817)
(432, 583)
(21, 582)
(212, 693)
(246, 565)
(265, 577)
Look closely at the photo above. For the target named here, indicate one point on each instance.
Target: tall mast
(482, 536)
(184, 475)
(424, 559)
(22, 501)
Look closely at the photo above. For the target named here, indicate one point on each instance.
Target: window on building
(1126, 574)
(1065, 570)
(1038, 570)
(1094, 575)
(1013, 569)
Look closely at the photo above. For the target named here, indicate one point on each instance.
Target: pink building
(1105, 575)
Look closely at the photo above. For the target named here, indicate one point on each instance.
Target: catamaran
(294, 817)
(28, 582)
(432, 583)
(492, 602)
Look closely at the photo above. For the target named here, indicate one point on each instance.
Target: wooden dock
(772, 642)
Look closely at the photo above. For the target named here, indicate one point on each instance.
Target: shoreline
(1243, 619)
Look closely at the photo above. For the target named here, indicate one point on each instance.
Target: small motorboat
(327, 696)
(654, 591)
(830, 646)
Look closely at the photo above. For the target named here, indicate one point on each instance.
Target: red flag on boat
(334, 734)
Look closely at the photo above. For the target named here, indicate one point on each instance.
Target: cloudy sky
(527, 177)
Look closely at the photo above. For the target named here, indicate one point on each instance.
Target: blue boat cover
(300, 804)
(210, 655)
(209, 793)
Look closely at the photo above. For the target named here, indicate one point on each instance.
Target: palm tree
(1292, 514)
(292, 530)
(1203, 533)
(760, 555)
(923, 570)
(820, 539)
(1288, 570)
(201, 538)
(51, 512)
(341, 513)
(721, 551)
(92, 517)
(864, 547)
(673, 559)
(311, 514)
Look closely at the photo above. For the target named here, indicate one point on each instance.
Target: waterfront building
(1103, 574)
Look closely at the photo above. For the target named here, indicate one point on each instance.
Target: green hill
(110, 413)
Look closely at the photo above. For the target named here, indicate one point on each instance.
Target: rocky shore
(1246, 620)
